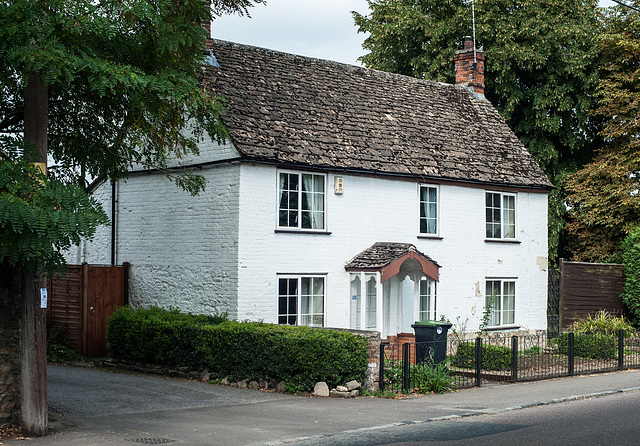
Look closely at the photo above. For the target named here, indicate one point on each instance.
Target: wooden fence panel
(65, 304)
(586, 288)
(83, 300)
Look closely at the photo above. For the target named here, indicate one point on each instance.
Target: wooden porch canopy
(387, 258)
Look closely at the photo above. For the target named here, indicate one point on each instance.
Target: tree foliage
(540, 62)
(604, 196)
(39, 219)
(631, 261)
(123, 78)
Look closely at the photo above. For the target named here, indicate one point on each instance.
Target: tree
(540, 68)
(604, 196)
(631, 262)
(99, 86)
(122, 79)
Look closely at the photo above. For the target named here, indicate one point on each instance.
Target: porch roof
(387, 258)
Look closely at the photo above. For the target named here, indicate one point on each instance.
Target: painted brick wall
(373, 210)
(185, 251)
(182, 249)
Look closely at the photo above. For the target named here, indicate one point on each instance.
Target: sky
(316, 28)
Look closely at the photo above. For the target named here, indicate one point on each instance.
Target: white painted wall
(182, 249)
(380, 210)
(219, 251)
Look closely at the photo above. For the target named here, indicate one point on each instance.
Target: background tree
(122, 79)
(604, 196)
(631, 261)
(540, 68)
(100, 86)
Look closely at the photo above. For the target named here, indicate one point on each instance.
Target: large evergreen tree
(604, 196)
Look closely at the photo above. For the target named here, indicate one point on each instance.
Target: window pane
(493, 229)
(356, 300)
(509, 303)
(371, 304)
(312, 201)
(287, 301)
(492, 300)
(288, 200)
(312, 301)
(428, 209)
(424, 305)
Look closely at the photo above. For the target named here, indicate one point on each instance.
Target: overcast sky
(315, 28)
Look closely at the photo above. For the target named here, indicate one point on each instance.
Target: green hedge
(301, 356)
(494, 357)
(158, 336)
(589, 345)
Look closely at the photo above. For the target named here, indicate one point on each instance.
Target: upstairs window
(428, 210)
(501, 215)
(301, 201)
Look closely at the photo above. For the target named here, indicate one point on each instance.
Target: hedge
(494, 357)
(589, 345)
(300, 356)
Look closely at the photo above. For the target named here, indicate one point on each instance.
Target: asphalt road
(98, 408)
(612, 420)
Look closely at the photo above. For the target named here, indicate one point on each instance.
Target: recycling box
(431, 340)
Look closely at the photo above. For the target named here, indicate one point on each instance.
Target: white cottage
(345, 197)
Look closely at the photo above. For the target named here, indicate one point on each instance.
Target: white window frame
(427, 217)
(296, 316)
(503, 311)
(508, 229)
(427, 297)
(298, 206)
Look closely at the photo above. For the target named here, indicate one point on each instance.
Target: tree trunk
(33, 323)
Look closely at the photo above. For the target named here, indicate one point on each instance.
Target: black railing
(503, 358)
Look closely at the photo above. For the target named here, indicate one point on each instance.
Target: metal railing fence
(504, 358)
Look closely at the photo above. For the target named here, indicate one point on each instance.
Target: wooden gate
(83, 300)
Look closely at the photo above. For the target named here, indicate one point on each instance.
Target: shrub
(602, 322)
(428, 377)
(589, 345)
(58, 348)
(425, 377)
(494, 357)
(631, 262)
(301, 356)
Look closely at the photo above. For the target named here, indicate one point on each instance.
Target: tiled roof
(381, 254)
(297, 110)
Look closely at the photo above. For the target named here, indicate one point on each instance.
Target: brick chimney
(207, 26)
(469, 65)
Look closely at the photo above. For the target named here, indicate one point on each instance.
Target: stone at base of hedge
(335, 393)
(321, 389)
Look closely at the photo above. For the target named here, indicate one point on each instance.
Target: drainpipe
(114, 221)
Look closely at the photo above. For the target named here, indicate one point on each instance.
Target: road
(611, 420)
(98, 408)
